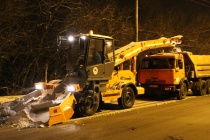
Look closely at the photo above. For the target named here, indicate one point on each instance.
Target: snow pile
(21, 120)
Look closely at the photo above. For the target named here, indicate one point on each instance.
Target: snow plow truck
(95, 75)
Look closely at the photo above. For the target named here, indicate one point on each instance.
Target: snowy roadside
(4, 99)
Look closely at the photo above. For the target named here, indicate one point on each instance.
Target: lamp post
(137, 24)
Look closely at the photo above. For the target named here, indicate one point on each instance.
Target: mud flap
(62, 112)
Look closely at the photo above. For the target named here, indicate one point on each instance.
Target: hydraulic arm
(134, 48)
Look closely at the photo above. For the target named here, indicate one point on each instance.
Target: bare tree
(29, 30)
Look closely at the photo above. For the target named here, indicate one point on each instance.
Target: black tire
(181, 94)
(202, 88)
(87, 104)
(127, 99)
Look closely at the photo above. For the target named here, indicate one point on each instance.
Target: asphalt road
(187, 119)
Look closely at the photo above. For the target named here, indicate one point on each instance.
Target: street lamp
(137, 24)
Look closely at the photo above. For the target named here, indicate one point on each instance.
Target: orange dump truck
(175, 73)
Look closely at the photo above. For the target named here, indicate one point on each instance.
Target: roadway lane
(158, 120)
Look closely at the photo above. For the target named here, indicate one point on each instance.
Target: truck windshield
(76, 53)
(158, 63)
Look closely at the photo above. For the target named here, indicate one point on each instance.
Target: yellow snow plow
(59, 104)
(95, 74)
(62, 112)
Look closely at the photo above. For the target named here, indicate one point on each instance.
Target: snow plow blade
(53, 111)
(62, 112)
(39, 107)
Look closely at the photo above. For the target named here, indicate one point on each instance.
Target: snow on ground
(4, 99)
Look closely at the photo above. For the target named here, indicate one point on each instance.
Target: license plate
(153, 86)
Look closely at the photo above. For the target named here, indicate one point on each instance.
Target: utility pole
(137, 24)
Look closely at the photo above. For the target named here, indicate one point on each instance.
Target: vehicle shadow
(106, 107)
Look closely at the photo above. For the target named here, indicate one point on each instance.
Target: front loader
(95, 74)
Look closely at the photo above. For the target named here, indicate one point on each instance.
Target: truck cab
(162, 73)
(88, 53)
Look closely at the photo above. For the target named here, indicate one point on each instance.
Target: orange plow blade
(62, 112)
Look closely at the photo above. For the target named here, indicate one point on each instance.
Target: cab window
(95, 51)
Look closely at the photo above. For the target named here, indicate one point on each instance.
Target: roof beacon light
(91, 32)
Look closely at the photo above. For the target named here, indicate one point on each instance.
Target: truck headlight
(40, 85)
(83, 37)
(73, 88)
(71, 38)
(70, 88)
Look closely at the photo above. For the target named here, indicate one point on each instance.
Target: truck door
(179, 70)
(108, 58)
(95, 65)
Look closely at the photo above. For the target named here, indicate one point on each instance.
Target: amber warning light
(176, 40)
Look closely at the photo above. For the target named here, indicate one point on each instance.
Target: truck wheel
(127, 99)
(181, 94)
(87, 104)
(202, 88)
